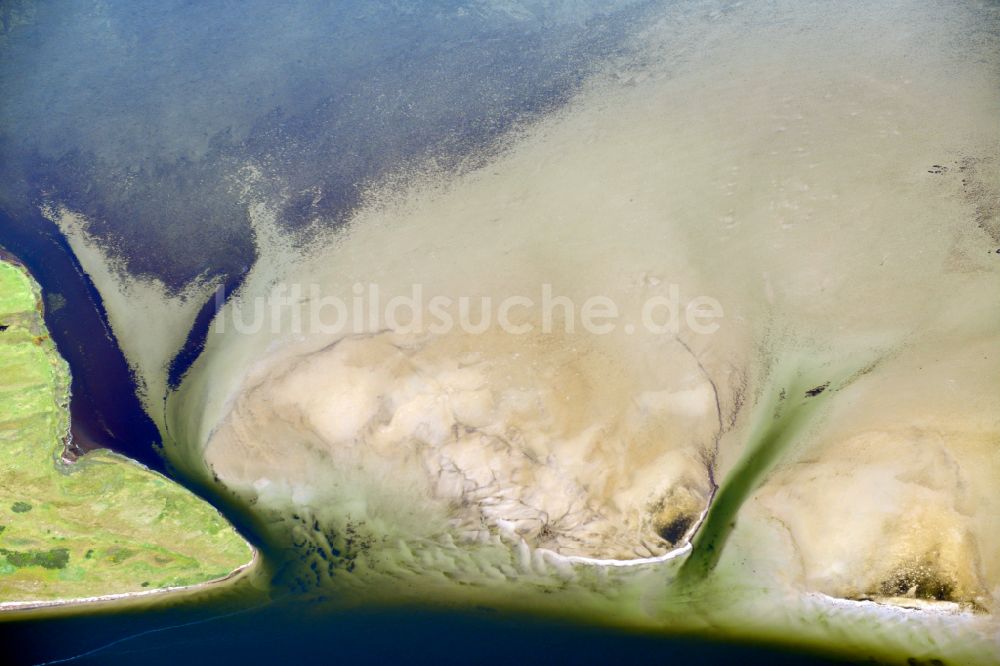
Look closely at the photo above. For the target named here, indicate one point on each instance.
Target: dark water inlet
(104, 407)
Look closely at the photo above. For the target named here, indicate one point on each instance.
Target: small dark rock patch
(813, 392)
(675, 530)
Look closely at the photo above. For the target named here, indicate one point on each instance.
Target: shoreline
(64, 453)
(10, 607)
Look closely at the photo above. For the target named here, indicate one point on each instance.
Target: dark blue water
(288, 634)
(143, 115)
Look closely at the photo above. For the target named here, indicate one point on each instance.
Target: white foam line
(580, 559)
(666, 557)
(888, 608)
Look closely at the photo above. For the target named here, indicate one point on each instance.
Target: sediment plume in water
(824, 175)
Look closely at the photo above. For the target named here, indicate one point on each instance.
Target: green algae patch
(103, 525)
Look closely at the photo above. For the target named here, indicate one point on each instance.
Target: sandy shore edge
(235, 574)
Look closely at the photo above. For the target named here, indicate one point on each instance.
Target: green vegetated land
(103, 524)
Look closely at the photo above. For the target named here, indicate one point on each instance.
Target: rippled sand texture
(827, 173)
